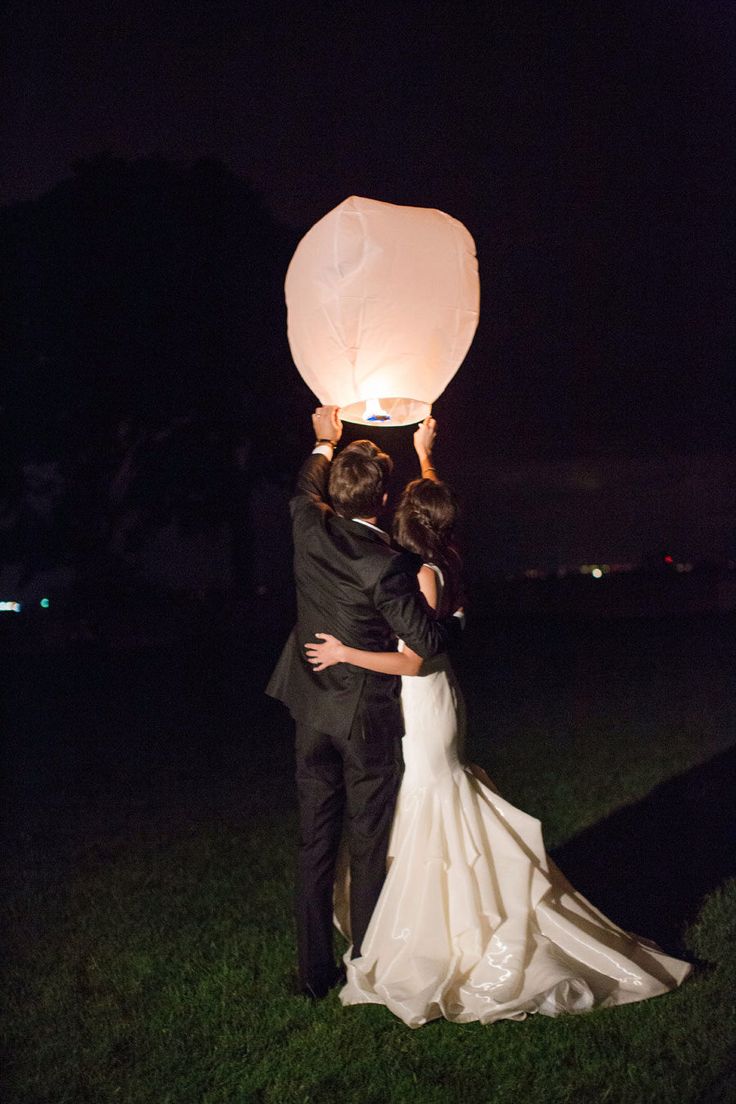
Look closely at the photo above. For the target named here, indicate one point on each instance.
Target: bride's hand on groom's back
(327, 654)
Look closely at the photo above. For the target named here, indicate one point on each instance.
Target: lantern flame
(374, 412)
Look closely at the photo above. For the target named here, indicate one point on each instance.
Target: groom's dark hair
(359, 477)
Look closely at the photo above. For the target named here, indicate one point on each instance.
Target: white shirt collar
(370, 525)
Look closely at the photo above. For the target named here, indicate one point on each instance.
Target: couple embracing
(452, 906)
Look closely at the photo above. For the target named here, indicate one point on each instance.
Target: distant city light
(596, 570)
(45, 603)
(11, 607)
(603, 570)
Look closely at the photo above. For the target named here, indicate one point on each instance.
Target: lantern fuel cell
(382, 306)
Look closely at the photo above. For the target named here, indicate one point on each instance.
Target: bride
(474, 921)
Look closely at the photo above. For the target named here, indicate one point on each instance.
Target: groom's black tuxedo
(350, 582)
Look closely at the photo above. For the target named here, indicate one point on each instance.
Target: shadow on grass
(648, 866)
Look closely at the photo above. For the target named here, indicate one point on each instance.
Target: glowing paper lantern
(382, 306)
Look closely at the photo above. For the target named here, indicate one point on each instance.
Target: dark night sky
(585, 145)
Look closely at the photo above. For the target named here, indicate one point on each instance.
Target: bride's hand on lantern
(327, 654)
(327, 424)
(424, 438)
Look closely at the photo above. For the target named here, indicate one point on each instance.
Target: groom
(353, 583)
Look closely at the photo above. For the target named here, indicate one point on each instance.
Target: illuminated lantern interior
(382, 304)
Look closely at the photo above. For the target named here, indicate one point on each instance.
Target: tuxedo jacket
(352, 583)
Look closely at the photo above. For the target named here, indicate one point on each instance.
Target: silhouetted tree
(142, 285)
(149, 295)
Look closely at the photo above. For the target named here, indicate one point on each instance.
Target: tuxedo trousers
(344, 783)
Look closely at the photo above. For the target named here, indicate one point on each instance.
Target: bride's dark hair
(424, 523)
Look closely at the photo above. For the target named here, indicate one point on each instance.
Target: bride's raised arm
(424, 437)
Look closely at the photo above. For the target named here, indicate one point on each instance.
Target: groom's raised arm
(399, 600)
(311, 483)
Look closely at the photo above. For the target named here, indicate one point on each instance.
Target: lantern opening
(387, 412)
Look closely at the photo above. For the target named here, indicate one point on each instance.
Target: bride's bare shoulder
(428, 584)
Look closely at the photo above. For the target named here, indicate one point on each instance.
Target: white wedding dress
(474, 921)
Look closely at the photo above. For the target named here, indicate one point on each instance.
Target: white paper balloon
(382, 304)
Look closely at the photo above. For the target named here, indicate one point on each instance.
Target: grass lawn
(149, 953)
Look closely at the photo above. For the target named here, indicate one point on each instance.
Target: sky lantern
(382, 305)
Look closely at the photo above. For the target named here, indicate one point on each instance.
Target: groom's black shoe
(317, 990)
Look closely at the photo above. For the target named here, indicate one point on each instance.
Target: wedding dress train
(474, 921)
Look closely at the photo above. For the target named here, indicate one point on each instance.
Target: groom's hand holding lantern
(327, 425)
